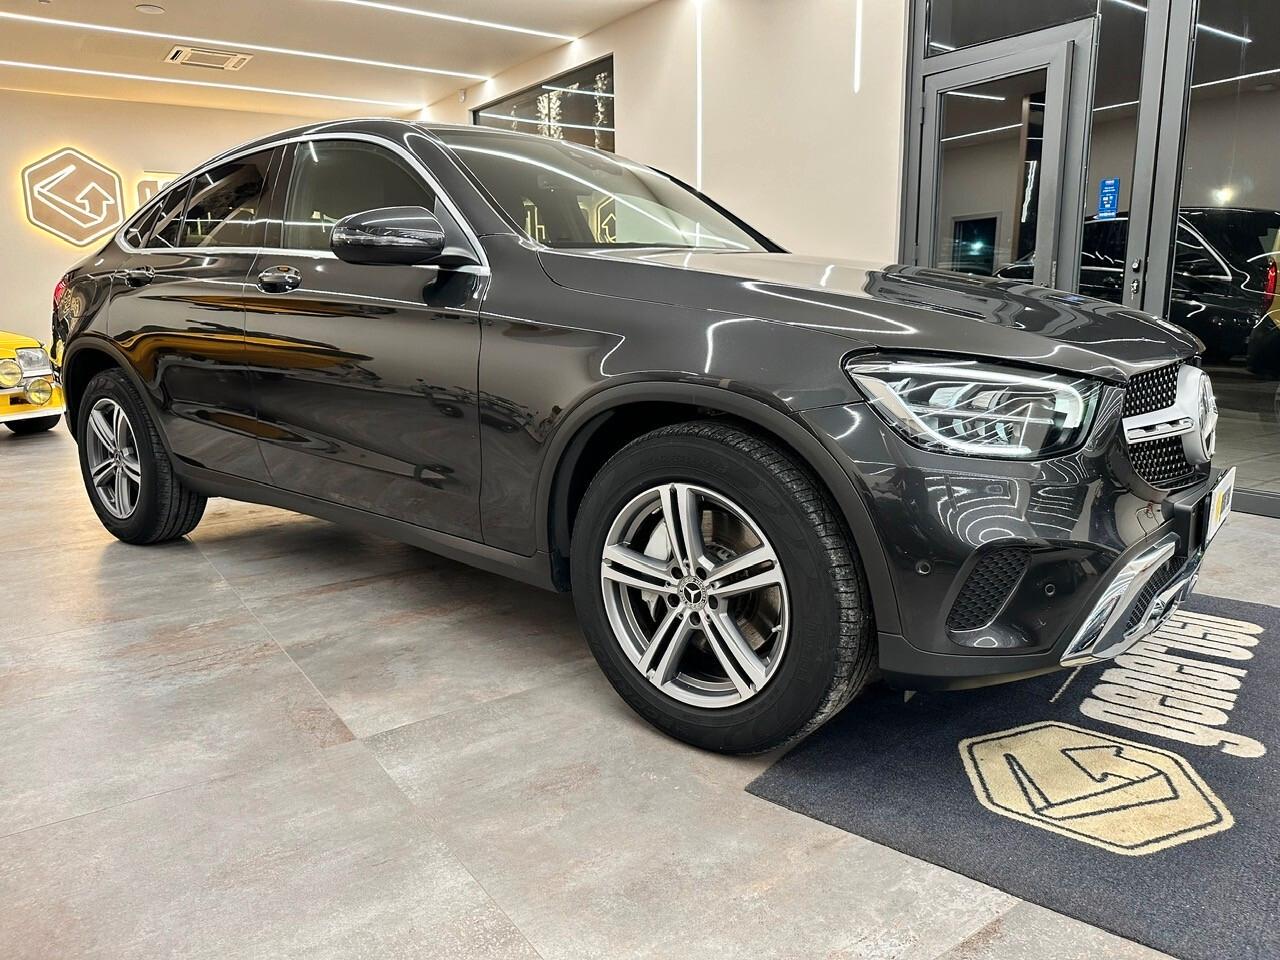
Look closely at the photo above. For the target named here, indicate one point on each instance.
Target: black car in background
(762, 475)
(1224, 272)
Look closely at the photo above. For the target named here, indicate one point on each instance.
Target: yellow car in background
(30, 394)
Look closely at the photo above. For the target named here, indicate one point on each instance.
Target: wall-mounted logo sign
(152, 183)
(73, 196)
(1122, 796)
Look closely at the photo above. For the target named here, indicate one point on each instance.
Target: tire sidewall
(796, 691)
(112, 385)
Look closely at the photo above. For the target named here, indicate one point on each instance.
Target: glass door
(1219, 249)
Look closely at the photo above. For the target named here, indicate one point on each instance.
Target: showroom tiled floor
(281, 738)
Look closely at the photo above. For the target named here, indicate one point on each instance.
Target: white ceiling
(325, 26)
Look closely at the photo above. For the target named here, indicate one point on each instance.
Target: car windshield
(1245, 238)
(564, 195)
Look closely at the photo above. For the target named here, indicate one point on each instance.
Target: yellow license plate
(1219, 505)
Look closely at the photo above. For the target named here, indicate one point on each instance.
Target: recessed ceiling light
(234, 44)
(84, 71)
(148, 8)
(452, 18)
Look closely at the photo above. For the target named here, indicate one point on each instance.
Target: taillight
(1269, 286)
(61, 287)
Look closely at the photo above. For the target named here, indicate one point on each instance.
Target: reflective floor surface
(280, 738)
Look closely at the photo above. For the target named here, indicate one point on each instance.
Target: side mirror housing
(408, 236)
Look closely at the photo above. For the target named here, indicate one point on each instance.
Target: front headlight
(33, 360)
(10, 373)
(977, 409)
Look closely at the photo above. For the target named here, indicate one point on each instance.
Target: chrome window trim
(1184, 224)
(244, 150)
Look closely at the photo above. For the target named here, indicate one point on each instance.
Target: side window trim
(416, 164)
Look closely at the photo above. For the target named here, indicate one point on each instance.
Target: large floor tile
(1243, 562)
(315, 858)
(390, 650)
(601, 838)
(119, 712)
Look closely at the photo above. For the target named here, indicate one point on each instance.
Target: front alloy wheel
(695, 595)
(718, 588)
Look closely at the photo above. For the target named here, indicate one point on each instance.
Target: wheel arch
(88, 357)
(582, 444)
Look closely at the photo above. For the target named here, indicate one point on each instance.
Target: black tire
(829, 654)
(33, 425)
(166, 509)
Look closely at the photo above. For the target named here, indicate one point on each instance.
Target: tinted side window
(333, 179)
(1103, 244)
(164, 229)
(223, 209)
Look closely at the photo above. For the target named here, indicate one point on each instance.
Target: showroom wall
(129, 138)
(787, 142)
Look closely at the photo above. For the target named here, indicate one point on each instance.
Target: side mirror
(397, 235)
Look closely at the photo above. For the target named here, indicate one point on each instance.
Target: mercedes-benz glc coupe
(765, 477)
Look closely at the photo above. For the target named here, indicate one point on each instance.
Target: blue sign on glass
(1109, 198)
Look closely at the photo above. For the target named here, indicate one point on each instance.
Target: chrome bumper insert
(1105, 633)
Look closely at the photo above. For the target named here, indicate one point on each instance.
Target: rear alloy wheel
(126, 468)
(718, 589)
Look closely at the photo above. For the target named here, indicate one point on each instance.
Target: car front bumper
(1098, 565)
(16, 405)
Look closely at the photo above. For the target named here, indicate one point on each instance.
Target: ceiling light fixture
(152, 8)
(542, 123)
(210, 41)
(452, 18)
(206, 83)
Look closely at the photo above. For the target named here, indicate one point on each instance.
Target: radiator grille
(1162, 463)
(989, 585)
(1153, 390)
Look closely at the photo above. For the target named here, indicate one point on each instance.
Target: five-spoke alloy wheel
(695, 595)
(127, 470)
(112, 454)
(718, 588)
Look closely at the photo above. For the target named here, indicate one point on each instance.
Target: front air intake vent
(985, 592)
(210, 59)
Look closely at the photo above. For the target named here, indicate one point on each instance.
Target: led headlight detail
(977, 409)
(10, 373)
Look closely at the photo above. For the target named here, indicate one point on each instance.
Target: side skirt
(535, 570)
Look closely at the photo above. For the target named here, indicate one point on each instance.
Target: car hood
(10, 342)
(888, 307)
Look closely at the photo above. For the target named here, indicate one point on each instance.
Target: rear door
(177, 311)
(365, 376)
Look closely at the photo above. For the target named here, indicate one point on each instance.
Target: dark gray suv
(763, 476)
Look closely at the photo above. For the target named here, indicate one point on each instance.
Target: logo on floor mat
(1122, 796)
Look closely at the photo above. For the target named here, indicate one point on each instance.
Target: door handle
(137, 276)
(279, 279)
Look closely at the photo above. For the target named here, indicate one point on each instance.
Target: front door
(365, 375)
(177, 311)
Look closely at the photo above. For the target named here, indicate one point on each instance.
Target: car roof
(379, 126)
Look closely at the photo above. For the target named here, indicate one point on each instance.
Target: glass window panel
(1226, 251)
(164, 230)
(223, 207)
(575, 106)
(563, 195)
(961, 23)
(991, 138)
(333, 179)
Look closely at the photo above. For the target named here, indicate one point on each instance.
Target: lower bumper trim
(1111, 628)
